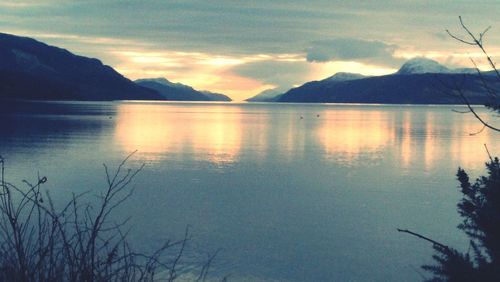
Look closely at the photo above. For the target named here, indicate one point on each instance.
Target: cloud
(277, 73)
(203, 71)
(347, 49)
(440, 35)
(246, 27)
(248, 38)
(22, 4)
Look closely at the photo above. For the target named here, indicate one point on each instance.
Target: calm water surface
(289, 192)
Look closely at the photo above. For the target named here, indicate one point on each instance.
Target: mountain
(178, 91)
(164, 81)
(172, 91)
(216, 96)
(30, 69)
(343, 76)
(417, 82)
(422, 65)
(269, 95)
(274, 94)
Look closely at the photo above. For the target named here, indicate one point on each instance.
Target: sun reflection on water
(144, 128)
(348, 135)
(469, 150)
(220, 133)
(351, 132)
(406, 146)
(210, 133)
(430, 145)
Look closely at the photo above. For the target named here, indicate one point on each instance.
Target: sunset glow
(233, 52)
(348, 133)
(291, 140)
(149, 129)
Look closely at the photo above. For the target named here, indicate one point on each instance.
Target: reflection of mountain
(179, 91)
(33, 70)
(39, 124)
(419, 81)
(218, 134)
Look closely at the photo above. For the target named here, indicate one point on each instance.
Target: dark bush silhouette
(39, 242)
(480, 204)
(480, 210)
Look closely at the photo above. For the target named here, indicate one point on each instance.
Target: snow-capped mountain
(422, 65)
(418, 81)
(344, 76)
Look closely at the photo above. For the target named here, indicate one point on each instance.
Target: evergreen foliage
(480, 210)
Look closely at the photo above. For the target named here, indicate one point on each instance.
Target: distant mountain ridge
(274, 95)
(422, 65)
(178, 91)
(33, 70)
(418, 81)
(216, 96)
(268, 95)
(344, 76)
(163, 81)
(30, 69)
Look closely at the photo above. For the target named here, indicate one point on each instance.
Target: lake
(287, 192)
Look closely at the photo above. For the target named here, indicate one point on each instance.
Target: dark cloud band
(340, 49)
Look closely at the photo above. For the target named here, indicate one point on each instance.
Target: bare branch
(490, 88)
(461, 112)
(76, 243)
(477, 132)
(488, 152)
(423, 237)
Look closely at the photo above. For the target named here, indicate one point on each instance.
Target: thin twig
(488, 152)
(423, 237)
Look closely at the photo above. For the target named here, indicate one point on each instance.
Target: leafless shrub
(490, 87)
(78, 242)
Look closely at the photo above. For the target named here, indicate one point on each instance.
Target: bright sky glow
(240, 48)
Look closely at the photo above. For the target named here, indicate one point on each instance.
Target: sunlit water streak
(290, 192)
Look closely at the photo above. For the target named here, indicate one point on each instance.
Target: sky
(240, 48)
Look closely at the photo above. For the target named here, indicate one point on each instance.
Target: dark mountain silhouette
(30, 69)
(269, 95)
(216, 96)
(273, 95)
(343, 76)
(178, 91)
(419, 81)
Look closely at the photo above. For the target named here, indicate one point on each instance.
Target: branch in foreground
(423, 237)
(477, 41)
(78, 242)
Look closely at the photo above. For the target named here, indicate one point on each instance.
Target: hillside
(178, 91)
(30, 69)
(417, 82)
